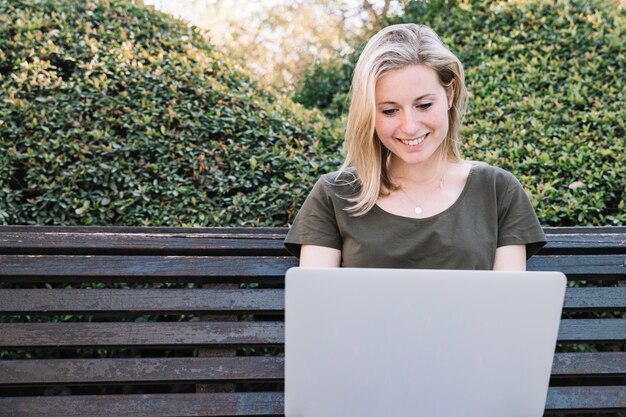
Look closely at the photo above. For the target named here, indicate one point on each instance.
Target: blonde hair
(395, 47)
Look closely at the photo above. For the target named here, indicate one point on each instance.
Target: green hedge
(327, 85)
(548, 97)
(113, 114)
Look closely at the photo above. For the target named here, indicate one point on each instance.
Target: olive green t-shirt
(492, 211)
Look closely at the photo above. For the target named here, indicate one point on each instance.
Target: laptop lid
(397, 342)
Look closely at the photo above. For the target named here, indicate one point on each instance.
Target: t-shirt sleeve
(517, 221)
(316, 222)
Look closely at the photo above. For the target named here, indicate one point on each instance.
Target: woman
(404, 197)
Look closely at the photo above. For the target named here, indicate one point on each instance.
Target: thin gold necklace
(418, 207)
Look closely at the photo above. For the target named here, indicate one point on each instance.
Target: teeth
(413, 142)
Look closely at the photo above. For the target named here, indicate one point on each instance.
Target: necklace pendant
(418, 210)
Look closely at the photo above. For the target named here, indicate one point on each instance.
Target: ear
(450, 93)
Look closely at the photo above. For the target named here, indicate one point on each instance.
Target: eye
(425, 106)
(389, 112)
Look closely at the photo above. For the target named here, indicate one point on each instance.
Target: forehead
(407, 83)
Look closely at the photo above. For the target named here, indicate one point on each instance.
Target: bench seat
(118, 321)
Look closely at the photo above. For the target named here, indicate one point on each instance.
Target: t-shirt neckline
(470, 175)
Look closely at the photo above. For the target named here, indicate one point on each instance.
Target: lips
(414, 142)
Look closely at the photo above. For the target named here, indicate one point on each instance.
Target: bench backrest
(173, 321)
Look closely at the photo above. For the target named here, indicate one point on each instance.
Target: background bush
(326, 87)
(114, 114)
(547, 97)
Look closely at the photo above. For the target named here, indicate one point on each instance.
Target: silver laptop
(399, 343)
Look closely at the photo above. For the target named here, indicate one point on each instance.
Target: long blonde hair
(395, 47)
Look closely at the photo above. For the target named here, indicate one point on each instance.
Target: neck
(425, 173)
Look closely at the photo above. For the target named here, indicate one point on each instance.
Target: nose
(410, 122)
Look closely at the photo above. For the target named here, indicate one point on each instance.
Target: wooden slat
(592, 330)
(177, 301)
(171, 370)
(159, 334)
(149, 405)
(602, 298)
(238, 404)
(140, 370)
(169, 230)
(581, 266)
(14, 335)
(42, 267)
(141, 301)
(205, 241)
(249, 241)
(174, 301)
(46, 268)
(575, 240)
(586, 398)
(589, 364)
(584, 230)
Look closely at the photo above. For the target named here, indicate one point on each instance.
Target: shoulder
(340, 177)
(489, 174)
(342, 184)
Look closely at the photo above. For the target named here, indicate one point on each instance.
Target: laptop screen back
(393, 342)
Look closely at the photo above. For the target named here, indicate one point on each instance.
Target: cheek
(439, 119)
(383, 127)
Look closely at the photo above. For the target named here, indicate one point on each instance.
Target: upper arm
(319, 256)
(510, 258)
(316, 223)
(517, 222)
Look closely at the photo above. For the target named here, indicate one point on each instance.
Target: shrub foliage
(326, 87)
(111, 113)
(547, 97)
(115, 114)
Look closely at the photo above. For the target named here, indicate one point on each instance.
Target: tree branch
(370, 9)
(385, 11)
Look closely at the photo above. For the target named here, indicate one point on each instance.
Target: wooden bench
(189, 322)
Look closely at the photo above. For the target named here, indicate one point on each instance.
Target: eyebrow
(417, 99)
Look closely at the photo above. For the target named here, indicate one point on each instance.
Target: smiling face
(411, 115)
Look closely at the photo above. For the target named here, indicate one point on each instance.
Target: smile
(414, 142)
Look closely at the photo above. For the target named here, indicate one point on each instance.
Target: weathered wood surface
(592, 330)
(37, 268)
(215, 240)
(598, 398)
(148, 405)
(580, 240)
(142, 241)
(255, 368)
(581, 266)
(141, 370)
(589, 364)
(239, 301)
(187, 334)
(247, 404)
(50, 268)
(134, 334)
(595, 299)
(142, 301)
(233, 255)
